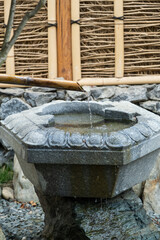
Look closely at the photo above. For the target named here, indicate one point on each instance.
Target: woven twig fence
(31, 48)
(95, 37)
(141, 38)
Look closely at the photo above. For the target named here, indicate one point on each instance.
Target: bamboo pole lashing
(52, 40)
(76, 55)
(119, 38)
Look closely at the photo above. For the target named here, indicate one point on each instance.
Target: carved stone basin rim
(32, 126)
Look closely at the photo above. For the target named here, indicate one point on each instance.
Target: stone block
(39, 98)
(132, 94)
(15, 105)
(7, 193)
(23, 188)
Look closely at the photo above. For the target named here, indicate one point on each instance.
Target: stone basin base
(93, 181)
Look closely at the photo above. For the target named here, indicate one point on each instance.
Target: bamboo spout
(39, 82)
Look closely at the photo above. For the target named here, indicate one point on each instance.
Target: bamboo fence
(31, 48)
(3, 68)
(104, 45)
(141, 38)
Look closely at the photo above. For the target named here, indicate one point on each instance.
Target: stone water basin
(66, 151)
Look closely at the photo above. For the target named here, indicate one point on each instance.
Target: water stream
(90, 112)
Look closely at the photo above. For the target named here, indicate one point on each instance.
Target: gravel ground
(155, 219)
(21, 221)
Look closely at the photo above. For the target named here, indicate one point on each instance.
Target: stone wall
(13, 100)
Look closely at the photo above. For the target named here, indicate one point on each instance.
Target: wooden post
(76, 55)
(52, 41)
(10, 64)
(64, 45)
(119, 39)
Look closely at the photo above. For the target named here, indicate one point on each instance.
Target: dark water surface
(82, 123)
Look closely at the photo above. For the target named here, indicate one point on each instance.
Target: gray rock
(15, 92)
(151, 196)
(75, 95)
(7, 193)
(119, 218)
(2, 237)
(138, 189)
(151, 193)
(123, 85)
(39, 98)
(150, 86)
(61, 94)
(13, 106)
(6, 157)
(23, 188)
(5, 145)
(100, 93)
(153, 106)
(5, 99)
(154, 94)
(42, 89)
(132, 94)
(156, 170)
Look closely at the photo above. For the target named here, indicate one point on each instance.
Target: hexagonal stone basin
(85, 123)
(63, 159)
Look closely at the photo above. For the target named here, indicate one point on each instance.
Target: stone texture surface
(13, 106)
(2, 237)
(151, 192)
(154, 94)
(6, 157)
(42, 89)
(153, 106)
(133, 94)
(101, 93)
(120, 218)
(23, 188)
(61, 95)
(76, 95)
(151, 196)
(138, 189)
(39, 98)
(14, 92)
(7, 193)
(31, 123)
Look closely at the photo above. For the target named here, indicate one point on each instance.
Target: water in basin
(81, 122)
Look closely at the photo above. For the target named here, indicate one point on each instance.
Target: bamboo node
(75, 21)
(52, 24)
